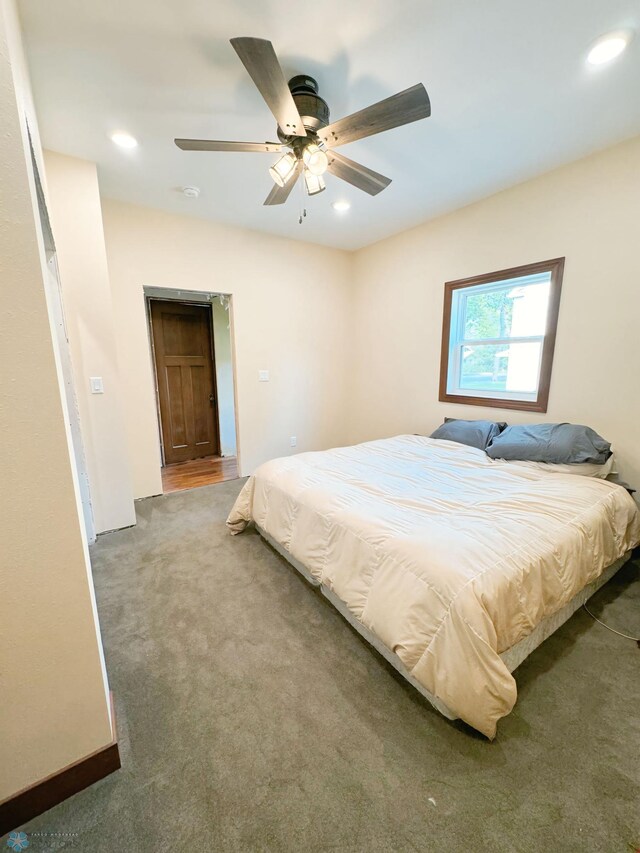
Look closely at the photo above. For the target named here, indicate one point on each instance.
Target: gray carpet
(253, 718)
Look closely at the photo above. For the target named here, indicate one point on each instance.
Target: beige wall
(53, 700)
(291, 316)
(589, 212)
(73, 200)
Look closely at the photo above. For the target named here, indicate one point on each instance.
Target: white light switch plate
(263, 376)
(97, 386)
(294, 441)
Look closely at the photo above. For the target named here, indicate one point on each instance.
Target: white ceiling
(511, 96)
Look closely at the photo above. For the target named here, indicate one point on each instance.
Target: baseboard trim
(48, 792)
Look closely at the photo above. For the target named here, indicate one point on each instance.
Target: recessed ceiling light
(608, 47)
(191, 192)
(124, 140)
(341, 206)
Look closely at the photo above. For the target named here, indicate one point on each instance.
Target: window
(498, 336)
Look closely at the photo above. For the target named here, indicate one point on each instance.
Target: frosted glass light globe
(315, 159)
(284, 169)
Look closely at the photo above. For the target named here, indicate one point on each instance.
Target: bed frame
(512, 657)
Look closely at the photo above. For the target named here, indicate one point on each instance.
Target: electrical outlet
(263, 376)
(293, 440)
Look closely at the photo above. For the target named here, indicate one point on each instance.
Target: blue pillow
(554, 443)
(473, 433)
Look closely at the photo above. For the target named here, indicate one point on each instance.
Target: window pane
(500, 368)
(516, 310)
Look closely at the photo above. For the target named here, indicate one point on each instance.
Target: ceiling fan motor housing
(314, 110)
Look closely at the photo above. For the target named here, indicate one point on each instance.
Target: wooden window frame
(556, 268)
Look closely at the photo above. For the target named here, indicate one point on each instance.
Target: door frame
(181, 301)
(151, 291)
(62, 352)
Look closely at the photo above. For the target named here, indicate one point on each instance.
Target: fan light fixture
(608, 47)
(314, 183)
(306, 136)
(315, 159)
(341, 206)
(284, 169)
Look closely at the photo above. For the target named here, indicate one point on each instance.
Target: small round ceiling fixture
(608, 47)
(341, 206)
(191, 192)
(124, 140)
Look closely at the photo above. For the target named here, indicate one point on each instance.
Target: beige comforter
(450, 558)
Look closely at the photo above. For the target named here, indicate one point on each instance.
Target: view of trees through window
(487, 315)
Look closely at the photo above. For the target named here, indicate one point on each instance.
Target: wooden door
(185, 375)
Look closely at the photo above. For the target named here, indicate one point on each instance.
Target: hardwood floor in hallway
(198, 472)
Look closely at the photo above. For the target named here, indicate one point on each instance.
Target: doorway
(62, 348)
(184, 356)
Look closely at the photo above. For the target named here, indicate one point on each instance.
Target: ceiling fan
(304, 130)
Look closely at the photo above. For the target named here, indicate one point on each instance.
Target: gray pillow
(555, 443)
(500, 424)
(474, 433)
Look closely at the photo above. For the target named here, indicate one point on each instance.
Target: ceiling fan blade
(356, 174)
(403, 108)
(279, 195)
(260, 60)
(218, 145)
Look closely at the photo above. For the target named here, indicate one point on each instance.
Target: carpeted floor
(253, 718)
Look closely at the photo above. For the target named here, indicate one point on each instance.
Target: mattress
(512, 658)
(445, 558)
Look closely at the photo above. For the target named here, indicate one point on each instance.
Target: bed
(453, 565)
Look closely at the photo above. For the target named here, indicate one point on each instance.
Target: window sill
(539, 405)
